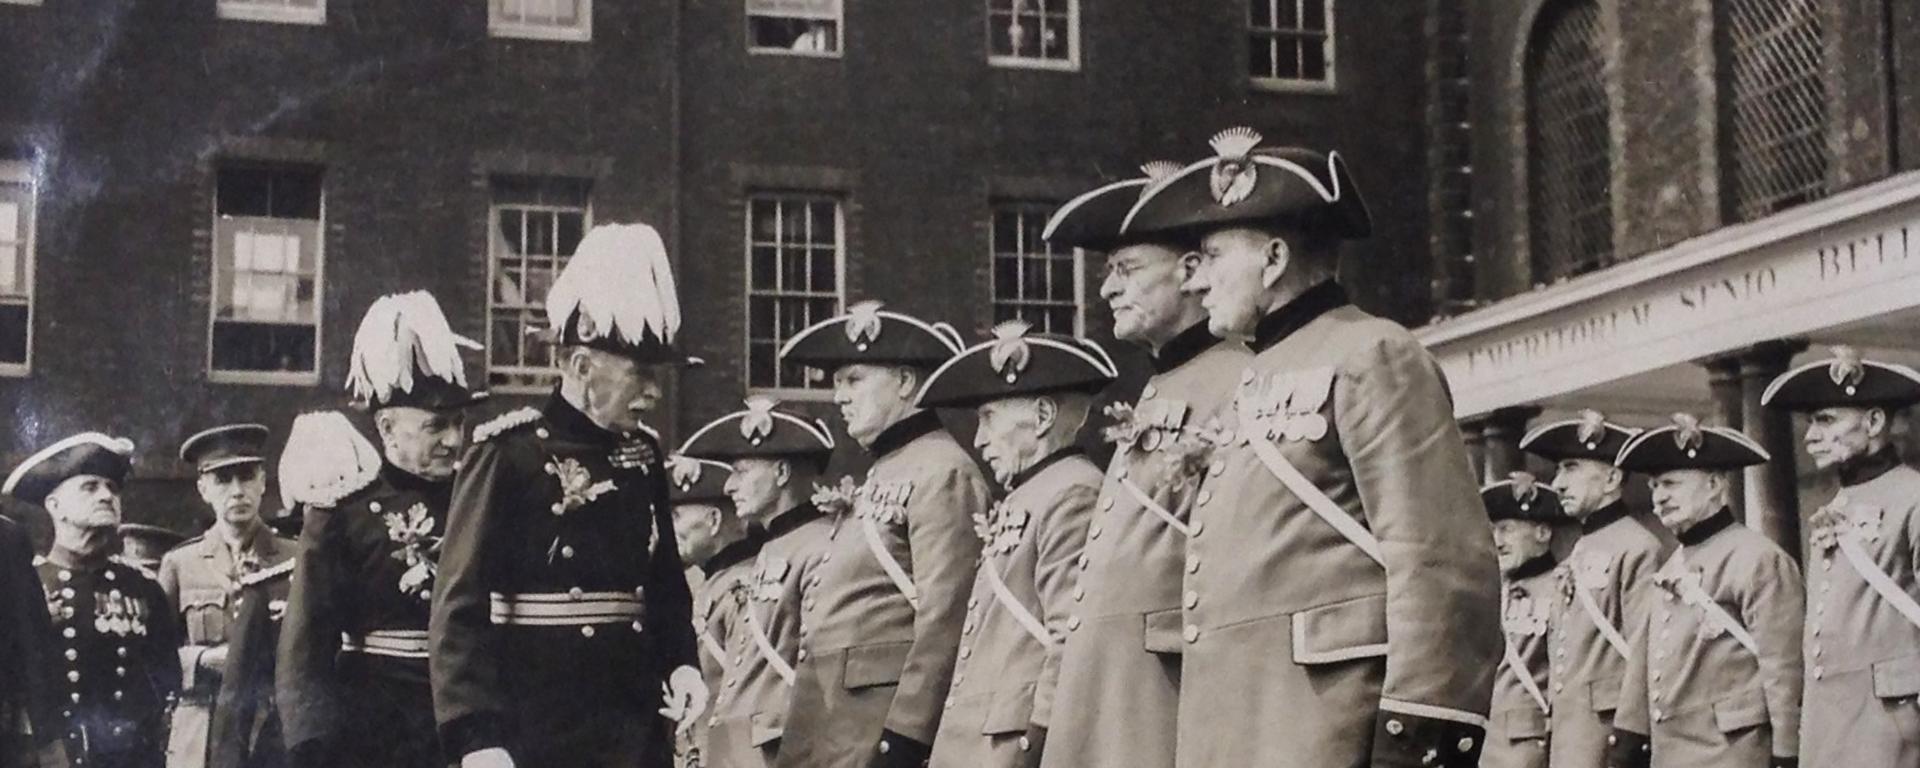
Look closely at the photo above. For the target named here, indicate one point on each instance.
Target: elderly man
(561, 612)
(1714, 674)
(1608, 577)
(352, 670)
(885, 626)
(717, 548)
(1032, 394)
(1523, 514)
(1119, 684)
(202, 576)
(119, 642)
(776, 455)
(1863, 621)
(1339, 553)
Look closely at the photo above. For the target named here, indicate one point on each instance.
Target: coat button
(965, 652)
(586, 631)
(1395, 727)
(1147, 391)
(120, 651)
(118, 695)
(576, 593)
(1819, 671)
(1025, 745)
(1079, 593)
(566, 551)
(1073, 623)
(1191, 634)
(1084, 559)
(1466, 744)
(1192, 600)
(1194, 528)
(803, 654)
(66, 575)
(542, 433)
(73, 676)
(373, 506)
(1106, 504)
(1093, 532)
(885, 747)
(1204, 497)
(637, 627)
(1193, 564)
(1217, 469)
(72, 654)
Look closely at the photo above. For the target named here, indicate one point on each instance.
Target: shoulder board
(506, 421)
(283, 568)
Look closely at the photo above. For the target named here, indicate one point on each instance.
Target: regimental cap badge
(1592, 429)
(863, 323)
(1234, 172)
(1010, 353)
(756, 424)
(684, 471)
(1155, 170)
(1524, 489)
(1847, 369)
(1687, 435)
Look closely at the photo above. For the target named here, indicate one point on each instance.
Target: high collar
(1605, 516)
(1705, 529)
(1294, 315)
(1183, 347)
(904, 431)
(569, 423)
(791, 519)
(735, 553)
(1039, 466)
(403, 480)
(1865, 469)
(73, 560)
(1535, 566)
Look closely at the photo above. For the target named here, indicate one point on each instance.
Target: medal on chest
(1285, 405)
(1844, 517)
(414, 531)
(884, 503)
(1523, 615)
(114, 613)
(1000, 528)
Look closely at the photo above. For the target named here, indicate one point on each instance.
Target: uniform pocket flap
(202, 598)
(875, 664)
(1745, 709)
(1897, 678)
(1604, 695)
(1010, 712)
(1162, 633)
(767, 727)
(1354, 629)
(1524, 723)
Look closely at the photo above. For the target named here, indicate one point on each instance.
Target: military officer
(1607, 579)
(351, 681)
(561, 610)
(1714, 675)
(1523, 514)
(202, 576)
(776, 456)
(718, 549)
(1338, 552)
(246, 730)
(885, 625)
(1863, 622)
(30, 724)
(119, 643)
(1032, 394)
(1119, 683)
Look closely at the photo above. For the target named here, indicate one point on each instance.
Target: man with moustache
(202, 576)
(1339, 553)
(1863, 622)
(1523, 514)
(718, 550)
(118, 646)
(1032, 394)
(1714, 677)
(1119, 689)
(561, 614)
(887, 616)
(1607, 583)
(776, 456)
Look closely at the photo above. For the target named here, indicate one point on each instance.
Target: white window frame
(824, 392)
(839, 34)
(277, 13)
(1328, 84)
(994, 301)
(1070, 64)
(270, 378)
(20, 172)
(580, 32)
(20, 2)
(493, 273)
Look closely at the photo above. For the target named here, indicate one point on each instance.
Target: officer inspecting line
(1284, 565)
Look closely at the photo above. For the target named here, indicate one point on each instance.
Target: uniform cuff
(1627, 749)
(472, 733)
(1408, 740)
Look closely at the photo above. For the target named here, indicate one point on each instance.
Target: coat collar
(738, 552)
(1539, 564)
(1294, 315)
(1705, 529)
(263, 542)
(904, 431)
(1040, 466)
(1868, 468)
(791, 519)
(568, 423)
(1605, 516)
(1184, 347)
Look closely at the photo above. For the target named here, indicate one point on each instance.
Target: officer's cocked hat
(763, 429)
(1845, 380)
(616, 294)
(1246, 184)
(696, 481)
(1093, 219)
(1590, 436)
(87, 453)
(1521, 497)
(869, 334)
(1688, 444)
(225, 446)
(406, 355)
(1015, 363)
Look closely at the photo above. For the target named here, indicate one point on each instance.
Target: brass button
(566, 551)
(1191, 634)
(586, 631)
(1073, 623)
(1192, 600)
(576, 593)
(1395, 727)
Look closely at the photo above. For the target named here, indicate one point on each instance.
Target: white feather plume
(620, 279)
(403, 332)
(326, 460)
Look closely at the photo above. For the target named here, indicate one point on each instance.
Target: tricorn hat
(406, 355)
(1845, 380)
(1521, 497)
(696, 481)
(763, 429)
(1688, 444)
(225, 446)
(1015, 363)
(1093, 219)
(87, 453)
(1590, 436)
(616, 294)
(1245, 183)
(869, 334)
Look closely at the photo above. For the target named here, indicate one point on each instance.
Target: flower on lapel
(835, 499)
(1522, 615)
(1841, 517)
(577, 486)
(413, 531)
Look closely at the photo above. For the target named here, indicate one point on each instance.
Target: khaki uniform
(201, 577)
(1691, 684)
(1022, 604)
(1119, 688)
(1863, 656)
(750, 705)
(1602, 589)
(717, 602)
(874, 659)
(1517, 732)
(1284, 604)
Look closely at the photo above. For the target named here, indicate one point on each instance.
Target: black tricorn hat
(1521, 497)
(1590, 436)
(696, 481)
(1015, 364)
(1688, 444)
(225, 446)
(761, 430)
(87, 453)
(1247, 184)
(1846, 380)
(869, 334)
(1093, 219)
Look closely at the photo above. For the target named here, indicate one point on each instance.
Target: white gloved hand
(683, 697)
(493, 757)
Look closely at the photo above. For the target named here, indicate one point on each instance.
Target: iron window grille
(1570, 149)
(1774, 104)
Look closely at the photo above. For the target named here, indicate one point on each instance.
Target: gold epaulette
(283, 568)
(506, 421)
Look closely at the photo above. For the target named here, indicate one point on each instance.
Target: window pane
(1313, 15)
(540, 222)
(826, 276)
(792, 281)
(766, 260)
(1260, 13)
(13, 334)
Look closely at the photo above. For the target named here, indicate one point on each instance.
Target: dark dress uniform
(560, 607)
(29, 712)
(246, 731)
(201, 577)
(120, 666)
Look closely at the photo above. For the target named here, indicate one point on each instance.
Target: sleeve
(29, 631)
(1774, 613)
(169, 578)
(1416, 490)
(247, 686)
(1632, 716)
(164, 638)
(305, 686)
(944, 552)
(468, 702)
(1055, 574)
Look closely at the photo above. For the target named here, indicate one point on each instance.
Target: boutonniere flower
(413, 531)
(835, 500)
(577, 486)
(1841, 517)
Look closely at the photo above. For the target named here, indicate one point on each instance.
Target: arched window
(1570, 153)
(1773, 95)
